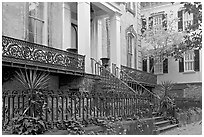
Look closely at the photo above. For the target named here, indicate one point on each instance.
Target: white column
(148, 64)
(45, 27)
(99, 39)
(115, 54)
(84, 47)
(94, 37)
(66, 26)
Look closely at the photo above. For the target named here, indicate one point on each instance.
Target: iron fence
(59, 106)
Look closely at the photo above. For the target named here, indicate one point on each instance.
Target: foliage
(72, 126)
(34, 82)
(190, 115)
(29, 120)
(172, 120)
(194, 37)
(166, 103)
(31, 79)
(193, 91)
(26, 125)
(168, 42)
(160, 43)
(114, 125)
(166, 87)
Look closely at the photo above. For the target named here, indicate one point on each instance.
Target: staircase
(162, 125)
(139, 88)
(119, 81)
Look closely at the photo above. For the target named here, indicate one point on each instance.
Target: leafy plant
(72, 126)
(31, 79)
(166, 104)
(29, 120)
(26, 125)
(34, 82)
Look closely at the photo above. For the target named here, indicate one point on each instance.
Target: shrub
(26, 125)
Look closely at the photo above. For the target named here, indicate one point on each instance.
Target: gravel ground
(190, 129)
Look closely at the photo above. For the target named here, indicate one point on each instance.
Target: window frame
(130, 45)
(190, 18)
(131, 10)
(36, 20)
(192, 61)
(158, 66)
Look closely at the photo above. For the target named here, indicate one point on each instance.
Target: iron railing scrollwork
(18, 50)
(140, 76)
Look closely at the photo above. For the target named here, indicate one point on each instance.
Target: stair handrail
(114, 76)
(120, 70)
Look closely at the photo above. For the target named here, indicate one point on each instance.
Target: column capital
(66, 5)
(83, 3)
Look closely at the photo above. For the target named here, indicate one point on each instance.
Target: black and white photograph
(101, 68)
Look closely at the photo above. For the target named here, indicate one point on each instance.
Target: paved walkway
(190, 129)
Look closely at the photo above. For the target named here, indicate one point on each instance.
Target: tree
(194, 37)
(160, 42)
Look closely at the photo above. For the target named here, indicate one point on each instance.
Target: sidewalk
(190, 129)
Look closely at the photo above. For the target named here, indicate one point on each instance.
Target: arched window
(131, 38)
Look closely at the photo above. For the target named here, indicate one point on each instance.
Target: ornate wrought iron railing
(141, 76)
(109, 80)
(23, 52)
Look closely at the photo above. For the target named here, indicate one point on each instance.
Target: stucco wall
(55, 25)
(14, 19)
(180, 77)
(128, 19)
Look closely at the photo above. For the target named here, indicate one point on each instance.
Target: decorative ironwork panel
(19, 51)
(140, 76)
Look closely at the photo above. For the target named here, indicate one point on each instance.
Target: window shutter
(150, 22)
(195, 19)
(195, 22)
(164, 21)
(144, 65)
(181, 65)
(151, 64)
(196, 60)
(180, 22)
(165, 66)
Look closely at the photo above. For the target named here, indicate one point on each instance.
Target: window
(130, 42)
(185, 19)
(74, 35)
(158, 21)
(130, 6)
(36, 22)
(189, 61)
(144, 65)
(158, 68)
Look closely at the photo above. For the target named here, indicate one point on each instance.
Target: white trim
(45, 26)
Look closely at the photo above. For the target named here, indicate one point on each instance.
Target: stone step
(159, 119)
(154, 114)
(166, 128)
(162, 123)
